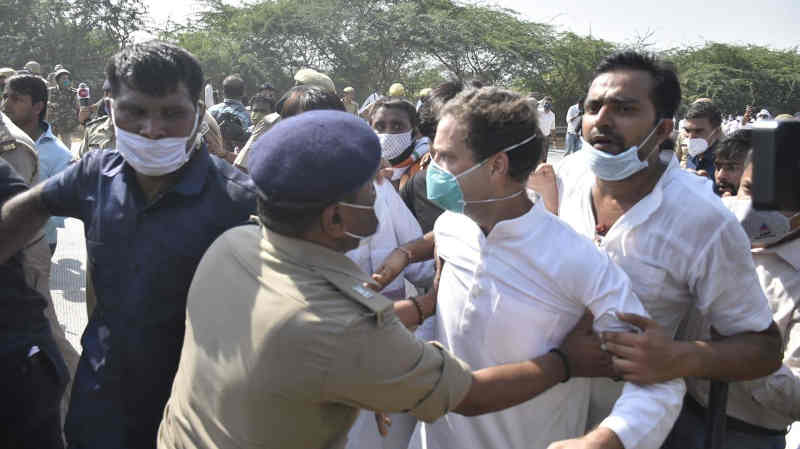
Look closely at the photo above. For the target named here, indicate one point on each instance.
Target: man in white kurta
(516, 280)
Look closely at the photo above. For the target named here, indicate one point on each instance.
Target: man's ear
(331, 222)
(37, 109)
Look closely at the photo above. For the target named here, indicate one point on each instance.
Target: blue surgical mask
(444, 190)
(616, 167)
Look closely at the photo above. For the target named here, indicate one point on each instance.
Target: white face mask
(696, 146)
(764, 227)
(153, 157)
(393, 145)
(616, 167)
(362, 239)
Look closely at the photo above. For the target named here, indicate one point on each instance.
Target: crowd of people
(301, 271)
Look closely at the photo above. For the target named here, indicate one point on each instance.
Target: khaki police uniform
(351, 107)
(243, 157)
(99, 135)
(19, 150)
(284, 345)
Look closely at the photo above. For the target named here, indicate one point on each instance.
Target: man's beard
(723, 187)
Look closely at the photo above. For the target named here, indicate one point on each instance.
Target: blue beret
(315, 157)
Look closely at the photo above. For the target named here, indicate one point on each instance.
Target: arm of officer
(387, 369)
(780, 391)
(724, 280)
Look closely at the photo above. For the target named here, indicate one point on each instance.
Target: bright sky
(773, 23)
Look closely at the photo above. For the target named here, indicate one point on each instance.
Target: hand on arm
(653, 356)
(394, 264)
(543, 182)
(21, 217)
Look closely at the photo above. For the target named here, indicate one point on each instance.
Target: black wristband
(564, 361)
(419, 309)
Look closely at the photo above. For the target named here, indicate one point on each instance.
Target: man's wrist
(603, 438)
(409, 255)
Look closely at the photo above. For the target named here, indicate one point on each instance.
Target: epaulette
(7, 141)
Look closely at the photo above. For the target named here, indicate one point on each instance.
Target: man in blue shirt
(232, 91)
(25, 102)
(151, 208)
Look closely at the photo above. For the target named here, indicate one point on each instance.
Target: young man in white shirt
(573, 126)
(547, 122)
(681, 248)
(511, 290)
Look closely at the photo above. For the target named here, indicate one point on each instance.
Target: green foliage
(370, 44)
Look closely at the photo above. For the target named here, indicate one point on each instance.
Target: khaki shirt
(243, 157)
(351, 107)
(99, 135)
(19, 150)
(283, 345)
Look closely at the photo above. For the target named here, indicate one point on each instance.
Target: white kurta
(681, 248)
(512, 296)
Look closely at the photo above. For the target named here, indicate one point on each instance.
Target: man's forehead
(696, 123)
(627, 85)
(177, 96)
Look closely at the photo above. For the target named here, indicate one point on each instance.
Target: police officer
(62, 107)
(299, 344)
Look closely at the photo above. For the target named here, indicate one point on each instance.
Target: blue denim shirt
(233, 106)
(54, 157)
(143, 256)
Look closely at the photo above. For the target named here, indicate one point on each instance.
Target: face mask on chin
(153, 157)
(616, 167)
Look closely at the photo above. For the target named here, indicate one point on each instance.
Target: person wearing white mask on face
(631, 200)
(758, 411)
(150, 207)
(395, 120)
(702, 128)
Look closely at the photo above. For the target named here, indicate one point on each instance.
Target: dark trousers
(30, 393)
(689, 432)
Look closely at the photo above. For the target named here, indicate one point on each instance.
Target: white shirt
(547, 121)
(681, 248)
(573, 118)
(512, 296)
(773, 401)
(396, 226)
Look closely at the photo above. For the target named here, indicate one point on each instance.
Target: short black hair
(666, 91)
(433, 103)
(31, 85)
(306, 97)
(497, 118)
(155, 68)
(233, 87)
(707, 110)
(736, 146)
(396, 103)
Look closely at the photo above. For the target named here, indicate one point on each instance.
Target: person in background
(395, 121)
(397, 90)
(63, 106)
(5, 73)
(763, 115)
(299, 99)
(573, 142)
(759, 411)
(232, 91)
(729, 162)
(348, 99)
(702, 128)
(547, 122)
(34, 67)
(313, 78)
